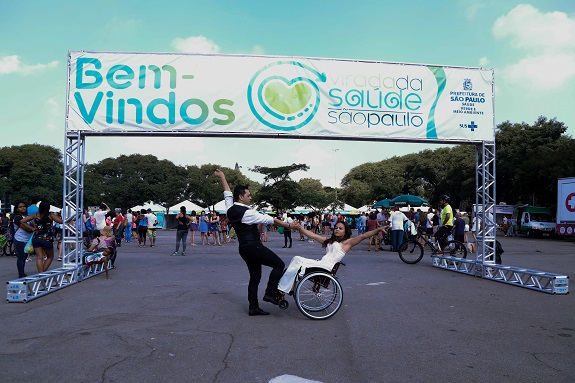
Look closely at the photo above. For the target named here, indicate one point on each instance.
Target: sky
(530, 45)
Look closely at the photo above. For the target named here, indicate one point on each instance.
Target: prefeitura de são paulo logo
(284, 95)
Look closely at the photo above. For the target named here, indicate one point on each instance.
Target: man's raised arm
(218, 173)
(228, 196)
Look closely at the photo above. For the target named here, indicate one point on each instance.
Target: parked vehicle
(533, 220)
(565, 222)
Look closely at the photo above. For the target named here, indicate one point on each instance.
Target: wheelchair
(317, 294)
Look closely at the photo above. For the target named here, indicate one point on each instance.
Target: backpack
(143, 221)
(89, 224)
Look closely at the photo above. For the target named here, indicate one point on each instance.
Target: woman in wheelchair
(336, 246)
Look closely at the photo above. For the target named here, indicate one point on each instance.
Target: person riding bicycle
(446, 221)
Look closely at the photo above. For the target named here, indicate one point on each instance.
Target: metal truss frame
(484, 264)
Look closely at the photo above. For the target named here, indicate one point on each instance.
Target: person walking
(244, 220)
(193, 227)
(215, 228)
(397, 219)
(142, 228)
(183, 220)
(152, 222)
(22, 232)
(128, 225)
(44, 233)
(204, 228)
(287, 232)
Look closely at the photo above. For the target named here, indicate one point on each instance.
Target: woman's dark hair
(44, 211)
(193, 214)
(183, 210)
(15, 212)
(333, 239)
(96, 233)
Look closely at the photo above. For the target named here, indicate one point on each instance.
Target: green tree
(205, 189)
(31, 170)
(279, 189)
(132, 180)
(313, 194)
(530, 159)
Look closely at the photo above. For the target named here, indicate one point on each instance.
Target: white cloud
(483, 61)
(547, 72)
(195, 44)
(530, 29)
(12, 64)
(546, 39)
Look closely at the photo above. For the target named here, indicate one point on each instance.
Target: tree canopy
(31, 171)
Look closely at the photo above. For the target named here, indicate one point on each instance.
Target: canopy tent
(303, 210)
(150, 205)
(347, 209)
(365, 208)
(408, 200)
(219, 208)
(383, 203)
(190, 206)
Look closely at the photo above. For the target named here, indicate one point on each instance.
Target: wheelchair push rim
(318, 295)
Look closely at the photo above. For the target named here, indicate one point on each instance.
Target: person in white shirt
(152, 222)
(397, 219)
(100, 216)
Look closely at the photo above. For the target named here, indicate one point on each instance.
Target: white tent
(366, 208)
(347, 209)
(190, 206)
(150, 205)
(220, 207)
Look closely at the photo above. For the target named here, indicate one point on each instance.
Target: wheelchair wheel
(455, 249)
(318, 295)
(411, 251)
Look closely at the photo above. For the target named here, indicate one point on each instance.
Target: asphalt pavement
(163, 318)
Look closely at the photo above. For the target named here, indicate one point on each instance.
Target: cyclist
(446, 221)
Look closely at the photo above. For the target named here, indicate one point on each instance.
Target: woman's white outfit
(334, 254)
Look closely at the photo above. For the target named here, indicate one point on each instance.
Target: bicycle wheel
(455, 249)
(9, 248)
(411, 251)
(318, 295)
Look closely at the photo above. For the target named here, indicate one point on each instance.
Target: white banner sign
(254, 95)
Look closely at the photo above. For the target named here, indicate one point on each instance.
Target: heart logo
(287, 97)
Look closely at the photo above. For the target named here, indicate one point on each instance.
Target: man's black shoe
(270, 299)
(283, 247)
(258, 311)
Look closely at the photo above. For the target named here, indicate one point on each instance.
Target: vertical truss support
(73, 200)
(485, 205)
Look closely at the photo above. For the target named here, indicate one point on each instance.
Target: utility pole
(335, 173)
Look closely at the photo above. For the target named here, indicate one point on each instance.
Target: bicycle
(411, 250)
(7, 243)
